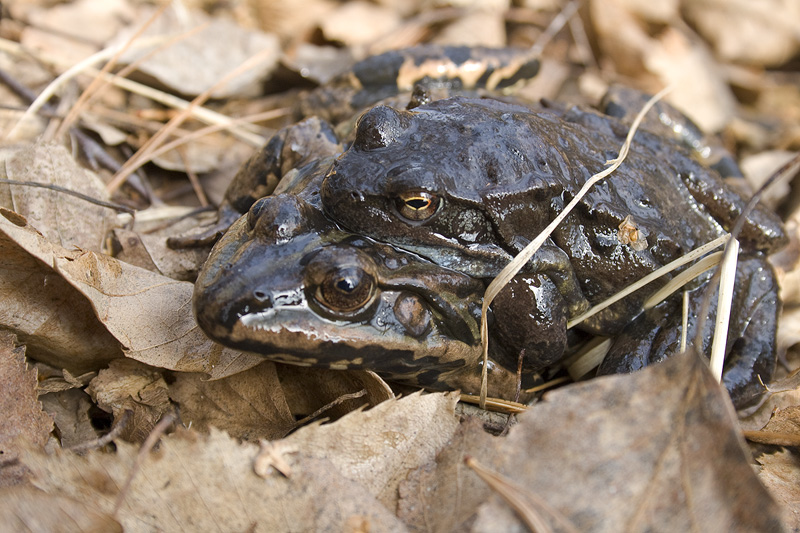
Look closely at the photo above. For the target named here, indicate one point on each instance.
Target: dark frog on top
(467, 183)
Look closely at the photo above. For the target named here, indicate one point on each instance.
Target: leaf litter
(641, 451)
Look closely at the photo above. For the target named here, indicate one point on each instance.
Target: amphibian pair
(455, 187)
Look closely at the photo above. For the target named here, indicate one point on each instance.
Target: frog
(468, 182)
(286, 282)
(324, 117)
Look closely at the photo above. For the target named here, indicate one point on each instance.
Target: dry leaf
(479, 27)
(23, 422)
(757, 168)
(785, 421)
(70, 411)
(443, 496)
(61, 218)
(29, 509)
(198, 61)
(207, 483)
(629, 453)
(127, 385)
(48, 315)
(699, 90)
(780, 472)
(149, 314)
(762, 33)
(150, 251)
(377, 448)
(359, 23)
(249, 405)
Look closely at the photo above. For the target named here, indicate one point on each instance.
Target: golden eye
(346, 290)
(418, 205)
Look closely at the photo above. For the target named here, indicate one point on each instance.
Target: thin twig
(341, 399)
(64, 190)
(530, 508)
(152, 439)
(115, 432)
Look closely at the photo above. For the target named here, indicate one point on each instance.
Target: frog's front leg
(751, 345)
(529, 321)
(291, 147)
(553, 262)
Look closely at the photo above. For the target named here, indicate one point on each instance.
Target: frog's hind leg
(751, 345)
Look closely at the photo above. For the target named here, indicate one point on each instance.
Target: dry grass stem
(697, 269)
(97, 83)
(555, 26)
(528, 506)
(208, 130)
(724, 300)
(550, 384)
(66, 76)
(684, 320)
(669, 267)
(588, 358)
(197, 112)
(497, 405)
(143, 154)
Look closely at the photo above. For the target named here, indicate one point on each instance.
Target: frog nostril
(260, 296)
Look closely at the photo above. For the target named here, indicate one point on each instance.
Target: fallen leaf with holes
(780, 473)
(128, 385)
(377, 448)
(207, 483)
(61, 218)
(148, 314)
(625, 453)
(54, 321)
(29, 509)
(22, 422)
(249, 405)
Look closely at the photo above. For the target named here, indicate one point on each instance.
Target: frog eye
(418, 205)
(346, 290)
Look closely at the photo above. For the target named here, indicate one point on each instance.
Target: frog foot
(751, 345)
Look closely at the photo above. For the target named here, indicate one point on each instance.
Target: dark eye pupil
(347, 285)
(418, 203)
